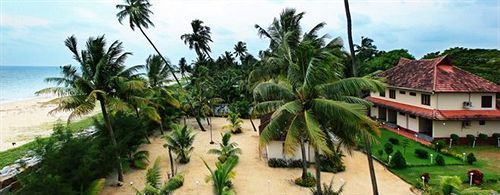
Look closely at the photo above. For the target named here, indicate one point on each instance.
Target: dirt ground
(253, 176)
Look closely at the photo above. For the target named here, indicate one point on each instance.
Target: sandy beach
(253, 176)
(22, 121)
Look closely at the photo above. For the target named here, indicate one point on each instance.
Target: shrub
(380, 152)
(439, 144)
(470, 139)
(328, 189)
(394, 141)
(440, 160)
(398, 161)
(455, 138)
(495, 136)
(483, 137)
(421, 153)
(175, 182)
(310, 181)
(388, 148)
(276, 162)
(332, 163)
(295, 163)
(471, 158)
(477, 177)
(449, 184)
(426, 177)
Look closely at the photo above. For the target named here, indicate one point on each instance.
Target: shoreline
(21, 121)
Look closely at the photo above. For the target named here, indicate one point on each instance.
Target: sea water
(21, 82)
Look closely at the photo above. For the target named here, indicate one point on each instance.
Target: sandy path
(23, 120)
(253, 176)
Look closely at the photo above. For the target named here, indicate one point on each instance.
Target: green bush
(295, 163)
(310, 181)
(332, 163)
(455, 138)
(483, 137)
(241, 107)
(398, 161)
(388, 148)
(495, 136)
(380, 153)
(174, 183)
(470, 139)
(421, 153)
(471, 158)
(439, 144)
(394, 141)
(440, 160)
(276, 162)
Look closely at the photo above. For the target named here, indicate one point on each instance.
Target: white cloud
(22, 22)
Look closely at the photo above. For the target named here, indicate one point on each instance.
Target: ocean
(21, 82)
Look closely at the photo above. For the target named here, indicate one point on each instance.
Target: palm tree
(313, 99)
(180, 140)
(153, 184)
(288, 22)
(199, 39)
(235, 122)
(355, 73)
(221, 177)
(226, 149)
(240, 50)
(102, 70)
(184, 67)
(156, 71)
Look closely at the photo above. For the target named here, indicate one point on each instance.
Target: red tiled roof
(438, 114)
(436, 75)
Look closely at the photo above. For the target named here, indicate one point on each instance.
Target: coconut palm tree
(101, 71)
(235, 122)
(312, 99)
(180, 140)
(199, 39)
(240, 50)
(184, 67)
(157, 71)
(221, 177)
(288, 22)
(227, 149)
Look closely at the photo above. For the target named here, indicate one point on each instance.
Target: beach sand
(253, 176)
(22, 121)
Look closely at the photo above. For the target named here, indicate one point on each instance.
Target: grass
(409, 152)
(487, 162)
(10, 156)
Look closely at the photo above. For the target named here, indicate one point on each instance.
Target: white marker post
(423, 183)
(389, 163)
(464, 156)
(471, 175)
(431, 158)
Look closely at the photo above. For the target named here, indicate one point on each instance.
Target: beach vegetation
(234, 123)
(226, 149)
(180, 140)
(153, 184)
(222, 175)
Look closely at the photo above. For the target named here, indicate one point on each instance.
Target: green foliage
(96, 187)
(398, 161)
(226, 149)
(388, 148)
(174, 183)
(309, 181)
(221, 177)
(455, 138)
(394, 141)
(277, 162)
(380, 153)
(439, 144)
(483, 137)
(180, 140)
(332, 163)
(328, 189)
(235, 123)
(471, 158)
(140, 159)
(440, 160)
(449, 184)
(470, 139)
(241, 107)
(384, 60)
(421, 153)
(153, 185)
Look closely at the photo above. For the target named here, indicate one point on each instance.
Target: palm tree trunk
(170, 69)
(304, 159)
(171, 161)
(136, 111)
(161, 126)
(349, 37)
(370, 165)
(199, 123)
(113, 139)
(318, 172)
(253, 125)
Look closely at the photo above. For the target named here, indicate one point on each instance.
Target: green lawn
(409, 152)
(488, 162)
(10, 156)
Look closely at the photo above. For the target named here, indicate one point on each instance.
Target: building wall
(446, 128)
(402, 120)
(413, 124)
(274, 149)
(454, 101)
(374, 112)
(407, 98)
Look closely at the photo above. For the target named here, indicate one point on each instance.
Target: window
(401, 113)
(402, 92)
(392, 93)
(482, 122)
(426, 99)
(486, 101)
(382, 94)
(412, 116)
(466, 123)
(413, 94)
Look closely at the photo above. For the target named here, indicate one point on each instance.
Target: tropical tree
(287, 23)
(199, 39)
(184, 67)
(313, 99)
(101, 71)
(157, 71)
(227, 149)
(221, 177)
(240, 50)
(235, 122)
(153, 184)
(180, 140)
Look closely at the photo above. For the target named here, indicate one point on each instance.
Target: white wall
(454, 101)
(446, 128)
(374, 112)
(407, 98)
(401, 121)
(413, 124)
(274, 149)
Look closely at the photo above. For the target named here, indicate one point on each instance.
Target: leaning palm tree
(221, 177)
(312, 99)
(101, 72)
(180, 140)
(227, 149)
(199, 39)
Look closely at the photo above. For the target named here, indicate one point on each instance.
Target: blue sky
(32, 31)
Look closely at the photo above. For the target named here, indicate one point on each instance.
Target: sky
(32, 32)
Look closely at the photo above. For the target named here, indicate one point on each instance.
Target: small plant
(380, 153)
(439, 144)
(180, 140)
(440, 160)
(421, 153)
(328, 189)
(398, 161)
(234, 119)
(470, 139)
(388, 149)
(308, 182)
(153, 182)
(449, 184)
(471, 158)
(333, 163)
(483, 137)
(227, 149)
(140, 159)
(477, 177)
(221, 177)
(455, 138)
(394, 141)
(276, 162)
